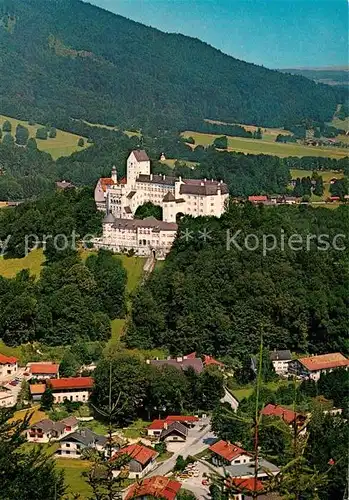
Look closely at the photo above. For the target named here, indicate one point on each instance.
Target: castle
(121, 198)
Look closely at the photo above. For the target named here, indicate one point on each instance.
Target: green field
(33, 261)
(326, 175)
(256, 146)
(171, 162)
(64, 144)
(341, 124)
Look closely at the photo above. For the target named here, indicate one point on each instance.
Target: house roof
(208, 360)
(175, 427)
(157, 424)
(258, 198)
(324, 361)
(140, 155)
(227, 450)
(64, 185)
(137, 452)
(166, 180)
(108, 219)
(148, 222)
(105, 182)
(184, 364)
(202, 187)
(71, 383)
(37, 388)
(5, 360)
(246, 470)
(156, 486)
(245, 484)
(182, 418)
(283, 355)
(46, 425)
(271, 410)
(169, 197)
(86, 437)
(70, 421)
(44, 368)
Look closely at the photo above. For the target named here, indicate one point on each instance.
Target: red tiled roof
(157, 424)
(192, 355)
(106, 181)
(258, 198)
(123, 180)
(71, 383)
(181, 418)
(140, 155)
(44, 368)
(324, 361)
(246, 484)
(157, 486)
(208, 360)
(137, 452)
(271, 410)
(229, 451)
(37, 388)
(4, 360)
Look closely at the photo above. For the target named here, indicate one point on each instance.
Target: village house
(174, 432)
(313, 366)
(154, 487)
(280, 360)
(43, 370)
(290, 417)
(258, 199)
(243, 487)
(36, 391)
(73, 389)
(46, 430)
(142, 460)
(72, 445)
(176, 196)
(157, 426)
(8, 365)
(225, 453)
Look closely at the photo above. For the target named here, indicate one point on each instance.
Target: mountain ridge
(110, 69)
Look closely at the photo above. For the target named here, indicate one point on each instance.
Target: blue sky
(274, 33)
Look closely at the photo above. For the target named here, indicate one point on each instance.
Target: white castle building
(121, 198)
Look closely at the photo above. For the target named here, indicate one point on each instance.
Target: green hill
(65, 58)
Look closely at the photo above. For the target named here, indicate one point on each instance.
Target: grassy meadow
(270, 147)
(326, 175)
(64, 144)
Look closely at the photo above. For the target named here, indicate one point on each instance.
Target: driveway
(200, 438)
(194, 484)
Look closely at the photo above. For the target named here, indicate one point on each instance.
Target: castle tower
(114, 175)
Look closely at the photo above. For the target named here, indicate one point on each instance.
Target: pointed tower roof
(108, 219)
(168, 197)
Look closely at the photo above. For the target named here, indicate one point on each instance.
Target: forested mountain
(66, 58)
(216, 298)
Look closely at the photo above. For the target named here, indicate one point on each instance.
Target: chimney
(179, 359)
(114, 175)
(205, 179)
(151, 177)
(163, 176)
(201, 183)
(165, 425)
(180, 178)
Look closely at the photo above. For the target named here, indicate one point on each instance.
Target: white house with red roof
(71, 388)
(157, 426)
(8, 365)
(44, 370)
(313, 366)
(154, 487)
(141, 460)
(226, 453)
(290, 417)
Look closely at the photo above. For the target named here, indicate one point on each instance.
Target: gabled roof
(44, 368)
(71, 383)
(105, 182)
(245, 484)
(209, 360)
(283, 355)
(324, 361)
(287, 415)
(157, 424)
(70, 421)
(156, 486)
(37, 388)
(184, 364)
(168, 197)
(86, 437)
(137, 452)
(140, 155)
(227, 450)
(46, 425)
(182, 418)
(7, 360)
(258, 198)
(175, 427)
(108, 219)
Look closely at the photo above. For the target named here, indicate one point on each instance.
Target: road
(198, 440)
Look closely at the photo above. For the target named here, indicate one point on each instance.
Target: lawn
(255, 146)
(171, 162)
(135, 430)
(64, 144)
(326, 175)
(33, 261)
(36, 417)
(73, 469)
(246, 391)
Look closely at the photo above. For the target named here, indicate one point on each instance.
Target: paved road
(197, 441)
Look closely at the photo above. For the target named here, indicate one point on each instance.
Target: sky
(273, 33)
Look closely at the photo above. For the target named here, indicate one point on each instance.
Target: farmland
(64, 144)
(257, 146)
